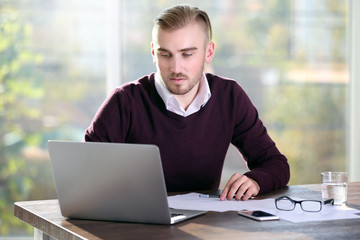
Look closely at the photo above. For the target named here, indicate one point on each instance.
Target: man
(191, 116)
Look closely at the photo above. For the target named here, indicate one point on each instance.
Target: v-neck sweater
(192, 148)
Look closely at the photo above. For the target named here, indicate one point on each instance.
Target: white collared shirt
(173, 105)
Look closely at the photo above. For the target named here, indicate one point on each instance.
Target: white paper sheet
(192, 201)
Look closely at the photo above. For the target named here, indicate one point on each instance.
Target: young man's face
(180, 56)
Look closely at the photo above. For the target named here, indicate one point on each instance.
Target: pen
(210, 196)
(213, 196)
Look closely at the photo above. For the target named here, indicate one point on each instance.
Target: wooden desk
(45, 217)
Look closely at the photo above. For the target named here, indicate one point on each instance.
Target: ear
(153, 52)
(210, 52)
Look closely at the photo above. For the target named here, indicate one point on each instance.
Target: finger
(247, 195)
(247, 188)
(252, 190)
(237, 189)
(243, 189)
(225, 191)
(223, 194)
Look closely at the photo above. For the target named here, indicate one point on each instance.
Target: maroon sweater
(192, 148)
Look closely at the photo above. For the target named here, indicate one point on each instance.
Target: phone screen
(258, 215)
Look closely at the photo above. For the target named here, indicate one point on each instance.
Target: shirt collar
(172, 103)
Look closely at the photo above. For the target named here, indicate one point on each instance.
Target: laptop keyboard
(176, 214)
(175, 217)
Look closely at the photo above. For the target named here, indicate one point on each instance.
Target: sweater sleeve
(111, 121)
(268, 167)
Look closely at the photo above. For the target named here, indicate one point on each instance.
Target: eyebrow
(181, 50)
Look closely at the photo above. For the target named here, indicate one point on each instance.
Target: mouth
(177, 79)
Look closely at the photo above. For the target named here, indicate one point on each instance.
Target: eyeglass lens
(288, 204)
(311, 206)
(285, 204)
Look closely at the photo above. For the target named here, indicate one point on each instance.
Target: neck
(186, 99)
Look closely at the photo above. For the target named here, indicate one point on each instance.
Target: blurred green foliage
(307, 121)
(20, 88)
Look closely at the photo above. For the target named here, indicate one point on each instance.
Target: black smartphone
(258, 215)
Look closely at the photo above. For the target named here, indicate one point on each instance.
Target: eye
(164, 54)
(187, 54)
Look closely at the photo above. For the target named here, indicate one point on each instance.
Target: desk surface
(45, 216)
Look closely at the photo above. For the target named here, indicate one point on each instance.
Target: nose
(176, 65)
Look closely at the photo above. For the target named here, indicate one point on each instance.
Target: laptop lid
(112, 182)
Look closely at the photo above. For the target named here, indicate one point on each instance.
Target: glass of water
(334, 186)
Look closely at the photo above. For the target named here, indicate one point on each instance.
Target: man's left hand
(241, 187)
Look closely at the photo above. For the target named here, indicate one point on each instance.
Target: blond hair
(180, 15)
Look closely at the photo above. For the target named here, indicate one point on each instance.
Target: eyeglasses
(287, 204)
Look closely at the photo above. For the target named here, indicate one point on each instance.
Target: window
(52, 80)
(58, 60)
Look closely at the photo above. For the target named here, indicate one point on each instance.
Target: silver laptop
(112, 182)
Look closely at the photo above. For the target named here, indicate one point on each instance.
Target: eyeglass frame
(296, 202)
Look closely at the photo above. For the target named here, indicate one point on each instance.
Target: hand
(241, 186)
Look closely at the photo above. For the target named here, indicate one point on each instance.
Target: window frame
(354, 102)
(114, 47)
